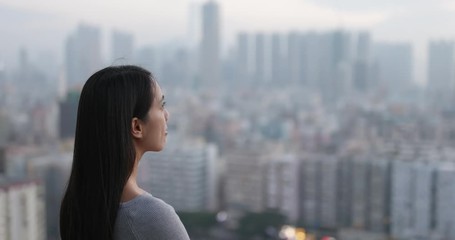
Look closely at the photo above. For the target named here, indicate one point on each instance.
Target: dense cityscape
(289, 135)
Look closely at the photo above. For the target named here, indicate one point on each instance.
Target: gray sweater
(148, 218)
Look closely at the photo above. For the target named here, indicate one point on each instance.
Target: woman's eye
(163, 104)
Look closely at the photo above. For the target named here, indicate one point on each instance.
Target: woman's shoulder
(145, 201)
(147, 215)
(147, 207)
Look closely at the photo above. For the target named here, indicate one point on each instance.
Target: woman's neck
(131, 189)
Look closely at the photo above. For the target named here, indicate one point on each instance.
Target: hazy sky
(43, 25)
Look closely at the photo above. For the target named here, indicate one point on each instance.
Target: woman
(121, 115)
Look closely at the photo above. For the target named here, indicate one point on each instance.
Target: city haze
(41, 26)
(326, 119)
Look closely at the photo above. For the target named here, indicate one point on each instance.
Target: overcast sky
(44, 25)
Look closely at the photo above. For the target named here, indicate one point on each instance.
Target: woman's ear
(136, 128)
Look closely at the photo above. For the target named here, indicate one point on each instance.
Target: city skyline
(320, 126)
(177, 22)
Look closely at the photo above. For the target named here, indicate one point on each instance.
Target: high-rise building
(359, 193)
(186, 178)
(210, 45)
(53, 170)
(309, 191)
(260, 59)
(363, 46)
(2, 159)
(444, 197)
(344, 191)
(362, 66)
(22, 209)
(401, 199)
(441, 73)
(340, 65)
(294, 58)
(423, 181)
(410, 204)
(82, 55)
(29, 81)
(243, 58)
(318, 191)
(277, 60)
(122, 47)
(378, 194)
(310, 56)
(282, 185)
(363, 193)
(194, 25)
(327, 183)
(4, 131)
(328, 81)
(3, 85)
(68, 115)
(245, 182)
(395, 65)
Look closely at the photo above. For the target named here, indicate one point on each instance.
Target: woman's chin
(160, 148)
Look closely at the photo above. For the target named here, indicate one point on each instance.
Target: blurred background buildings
(326, 128)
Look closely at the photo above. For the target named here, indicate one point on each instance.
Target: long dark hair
(104, 152)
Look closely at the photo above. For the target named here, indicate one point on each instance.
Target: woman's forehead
(158, 92)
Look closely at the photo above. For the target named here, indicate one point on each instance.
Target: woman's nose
(166, 114)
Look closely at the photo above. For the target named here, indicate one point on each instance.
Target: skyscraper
(359, 185)
(327, 198)
(318, 195)
(210, 45)
(53, 170)
(410, 205)
(68, 115)
(294, 58)
(311, 60)
(282, 185)
(362, 65)
(260, 58)
(363, 190)
(444, 213)
(242, 61)
(441, 72)
(401, 199)
(2, 159)
(4, 130)
(423, 174)
(83, 54)
(309, 191)
(378, 194)
(122, 47)
(3, 85)
(331, 54)
(277, 73)
(395, 64)
(340, 64)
